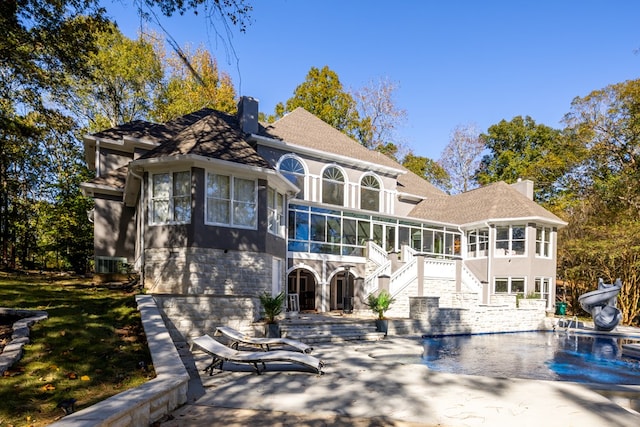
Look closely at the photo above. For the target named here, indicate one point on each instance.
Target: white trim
(287, 146)
(231, 223)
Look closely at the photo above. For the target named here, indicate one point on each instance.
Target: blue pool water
(556, 356)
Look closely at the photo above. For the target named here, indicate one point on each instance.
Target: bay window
(231, 201)
(510, 240)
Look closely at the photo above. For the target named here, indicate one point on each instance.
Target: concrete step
(331, 331)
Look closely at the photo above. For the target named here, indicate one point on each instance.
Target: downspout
(140, 227)
(489, 259)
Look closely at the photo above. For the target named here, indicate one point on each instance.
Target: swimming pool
(556, 356)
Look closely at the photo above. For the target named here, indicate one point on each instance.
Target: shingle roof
(302, 128)
(492, 202)
(212, 134)
(115, 178)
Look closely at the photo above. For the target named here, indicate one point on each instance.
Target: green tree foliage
(602, 237)
(428, 169)
(523, 149)
(322, 94)
(194, 82)
(124, 75)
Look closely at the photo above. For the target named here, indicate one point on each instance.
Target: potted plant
(272, 307)
(379, 304)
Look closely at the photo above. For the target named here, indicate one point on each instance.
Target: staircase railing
(371, 281)
(403, 277)
(470, 281)
(376, 253)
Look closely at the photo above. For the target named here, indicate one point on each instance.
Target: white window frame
(510, 281)
(377, 189)
(344, 183)
(538, 283)
(231, 200)
(276, 209)
(479, 248)
(543, 242)
(509, 251)
(303, 194)
(170, 199)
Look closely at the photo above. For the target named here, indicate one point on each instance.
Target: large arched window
(293, 170)
(370, 193)
(333, 186)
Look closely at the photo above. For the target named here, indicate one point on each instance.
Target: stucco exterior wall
(114, 229)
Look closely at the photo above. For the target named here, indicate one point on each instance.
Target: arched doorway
(303, 283)
(342, 290)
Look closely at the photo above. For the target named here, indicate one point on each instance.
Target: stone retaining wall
(12, 352)
(149, 402)
(428, 318)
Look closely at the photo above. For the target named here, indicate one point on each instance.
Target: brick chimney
(248, 114)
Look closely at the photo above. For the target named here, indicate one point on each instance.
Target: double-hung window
(275, 203)
(171, 198)
(510, 240)
(509, 285)
(543, 242)
(231, 201)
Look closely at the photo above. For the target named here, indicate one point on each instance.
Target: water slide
(601, 303)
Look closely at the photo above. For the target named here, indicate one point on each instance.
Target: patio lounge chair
(221, 353)
(237, 338)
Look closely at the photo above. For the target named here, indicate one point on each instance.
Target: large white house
(213, 209)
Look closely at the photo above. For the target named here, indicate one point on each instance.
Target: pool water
(556, 356)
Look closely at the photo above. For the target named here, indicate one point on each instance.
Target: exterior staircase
(320, 328)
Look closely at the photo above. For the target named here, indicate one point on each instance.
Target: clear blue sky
(456, 62)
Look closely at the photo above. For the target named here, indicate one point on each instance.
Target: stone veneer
(427, 317)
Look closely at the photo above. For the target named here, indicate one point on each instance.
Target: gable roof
(303, 129)
(494, 202)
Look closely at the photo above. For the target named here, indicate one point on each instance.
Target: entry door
(339, 294)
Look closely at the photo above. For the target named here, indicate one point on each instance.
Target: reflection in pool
(535, 355)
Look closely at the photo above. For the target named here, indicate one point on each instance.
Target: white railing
(376, 253)
(470, 281)
(441, 268)
(403, 277)
(371, 281)
(408, 253)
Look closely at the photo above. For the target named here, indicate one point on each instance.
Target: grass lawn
(91, 347)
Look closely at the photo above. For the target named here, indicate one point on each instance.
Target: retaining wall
(149, 402)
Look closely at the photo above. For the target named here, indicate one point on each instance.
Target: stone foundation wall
(188, 317)
(428, 318)
(205, 271)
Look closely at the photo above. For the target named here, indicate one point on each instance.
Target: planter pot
(272, 330)
(382, 325)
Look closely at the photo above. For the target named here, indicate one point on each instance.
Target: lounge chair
(237, 338)
(221, 353)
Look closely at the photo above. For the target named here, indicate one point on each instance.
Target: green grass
(91, 347)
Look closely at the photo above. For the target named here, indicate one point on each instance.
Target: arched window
(293, 170)
(370, 193)
(333, 186)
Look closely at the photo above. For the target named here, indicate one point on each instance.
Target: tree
(523, 149)
(381, 116)
(461, 157)
(322, 94)
(124, 76)
(428, 169)
(602, 237)
(194, 82)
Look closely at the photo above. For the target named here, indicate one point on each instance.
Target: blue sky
(456, 62)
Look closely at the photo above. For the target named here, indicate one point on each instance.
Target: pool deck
(374, 384)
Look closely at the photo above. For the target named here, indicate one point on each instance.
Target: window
(275, 205)
(542, 287)
(370, 193)
(333, 186)
(510, 240)
(171, 198)
(231, 201)
(508, 285)
(543, 242)
(293, 170)
(477, 243)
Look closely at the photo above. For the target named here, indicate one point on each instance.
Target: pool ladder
(573, 320)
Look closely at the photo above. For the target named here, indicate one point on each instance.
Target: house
(213, 210)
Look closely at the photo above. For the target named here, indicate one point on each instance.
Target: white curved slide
(601, 303)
